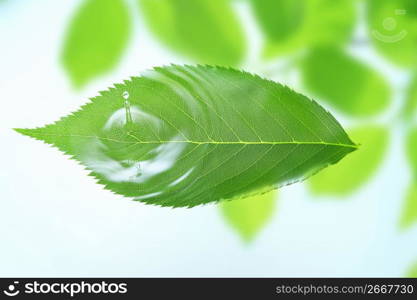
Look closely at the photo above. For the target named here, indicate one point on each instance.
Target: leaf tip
(23, 131)
(30, 132)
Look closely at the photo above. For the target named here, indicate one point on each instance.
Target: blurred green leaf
(279, 19)
(393, 29)
(410, 108)
(189, 135)
(249, 215)
(412, 150)
(331, 22)
(318, 23)
(207, 31)
(413, 272)
(95, 40)
(409, 215)
(343, 81)
(354, 171)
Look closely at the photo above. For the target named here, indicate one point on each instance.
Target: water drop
(127, 108)
(137, 171)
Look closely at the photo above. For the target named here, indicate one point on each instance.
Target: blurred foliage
(356, 169)
(412, 150)
(249, 215)
(292, 25)
(207, 31)
(279, 20)
(410, 107)
(413, 272)
(343, 81)
(393, 26)
(96, 38)
(409, 215)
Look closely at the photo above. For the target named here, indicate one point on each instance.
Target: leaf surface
(95, 40)
(393, 29)
(409, 215)
(206, 31)
(354, 171)
(344, 82)
(188, 135)
(248, 216)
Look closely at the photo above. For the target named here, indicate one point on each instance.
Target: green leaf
(191, 135)
(331, 22)
(346, 83)
(412, 150)
(413, 272)
(279, 19)
(410, 107)
(248, 216)
(96, 38)
(409, 215)
(393, 29)
(206, 31)
(317, 23)
(354, 171)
